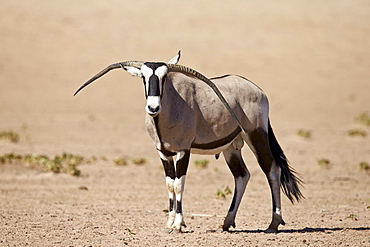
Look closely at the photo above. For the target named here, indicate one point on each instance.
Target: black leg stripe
(178, 207)
(171, 205)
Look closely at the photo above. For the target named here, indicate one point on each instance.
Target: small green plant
(357, 132)
(324, 163)
(223, 193)
(10, 136)
(130, 232)
(364, 166)
(220, 194)
(201, 164)
(304, 133)
(352, 217)
(138, 161)
(120, 161)
(227, 190)
(364, 119)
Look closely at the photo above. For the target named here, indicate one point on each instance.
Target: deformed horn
(194, 73)
(136, 64)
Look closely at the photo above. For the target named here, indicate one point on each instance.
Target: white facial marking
(161, 71)
(146, 71)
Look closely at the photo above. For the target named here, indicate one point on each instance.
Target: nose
(153, 105)
(153, 109)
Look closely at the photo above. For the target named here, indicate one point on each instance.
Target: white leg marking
(171, 196)
(179, 189)
(170, 185)
(277, 219)
(178, 186)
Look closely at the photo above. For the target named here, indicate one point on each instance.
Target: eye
(164, 79)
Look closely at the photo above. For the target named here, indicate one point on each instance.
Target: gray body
(188, 113)
(193, 117)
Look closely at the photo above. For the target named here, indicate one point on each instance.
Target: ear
(175, 59)
(133, 71)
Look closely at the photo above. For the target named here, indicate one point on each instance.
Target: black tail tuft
(290, 180)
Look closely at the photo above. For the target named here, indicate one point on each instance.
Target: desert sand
(312, 59)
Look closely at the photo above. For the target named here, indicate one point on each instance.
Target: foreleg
(169, 169)
(182, 162)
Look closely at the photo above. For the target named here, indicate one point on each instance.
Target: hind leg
(259, 144)
(241, 175)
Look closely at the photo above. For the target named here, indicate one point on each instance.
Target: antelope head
(154, 74)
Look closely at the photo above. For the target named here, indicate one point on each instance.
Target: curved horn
(194, 73)
(136, 64)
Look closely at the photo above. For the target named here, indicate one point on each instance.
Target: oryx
(188, 113)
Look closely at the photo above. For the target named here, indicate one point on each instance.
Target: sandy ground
(312, 59)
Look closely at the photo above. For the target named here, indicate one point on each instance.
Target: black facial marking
(154, 81)
(154, 86)
(146, 93)
(154, 66)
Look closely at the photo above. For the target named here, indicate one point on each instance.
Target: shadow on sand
(304, 230)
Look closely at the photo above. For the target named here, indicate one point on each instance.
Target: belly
(211, 151)
(215, 146)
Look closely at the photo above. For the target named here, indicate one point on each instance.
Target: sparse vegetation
(120, 161)
(304, 133)
(357, 132)
(364, 166)
(223, 193)
(65, 163)
(324, 163)
(123, 161)
(364, 119)
(10, 136)
(201, 164)
(138, 161)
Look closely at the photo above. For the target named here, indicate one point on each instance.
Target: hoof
(228, 222)
(166, 230)
(270, 230)
(174, 231)
(276, 221)
(171, 230)
(226, 227)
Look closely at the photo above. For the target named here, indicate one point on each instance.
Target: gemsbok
(189, 113)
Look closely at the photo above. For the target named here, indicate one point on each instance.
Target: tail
(290, 180)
